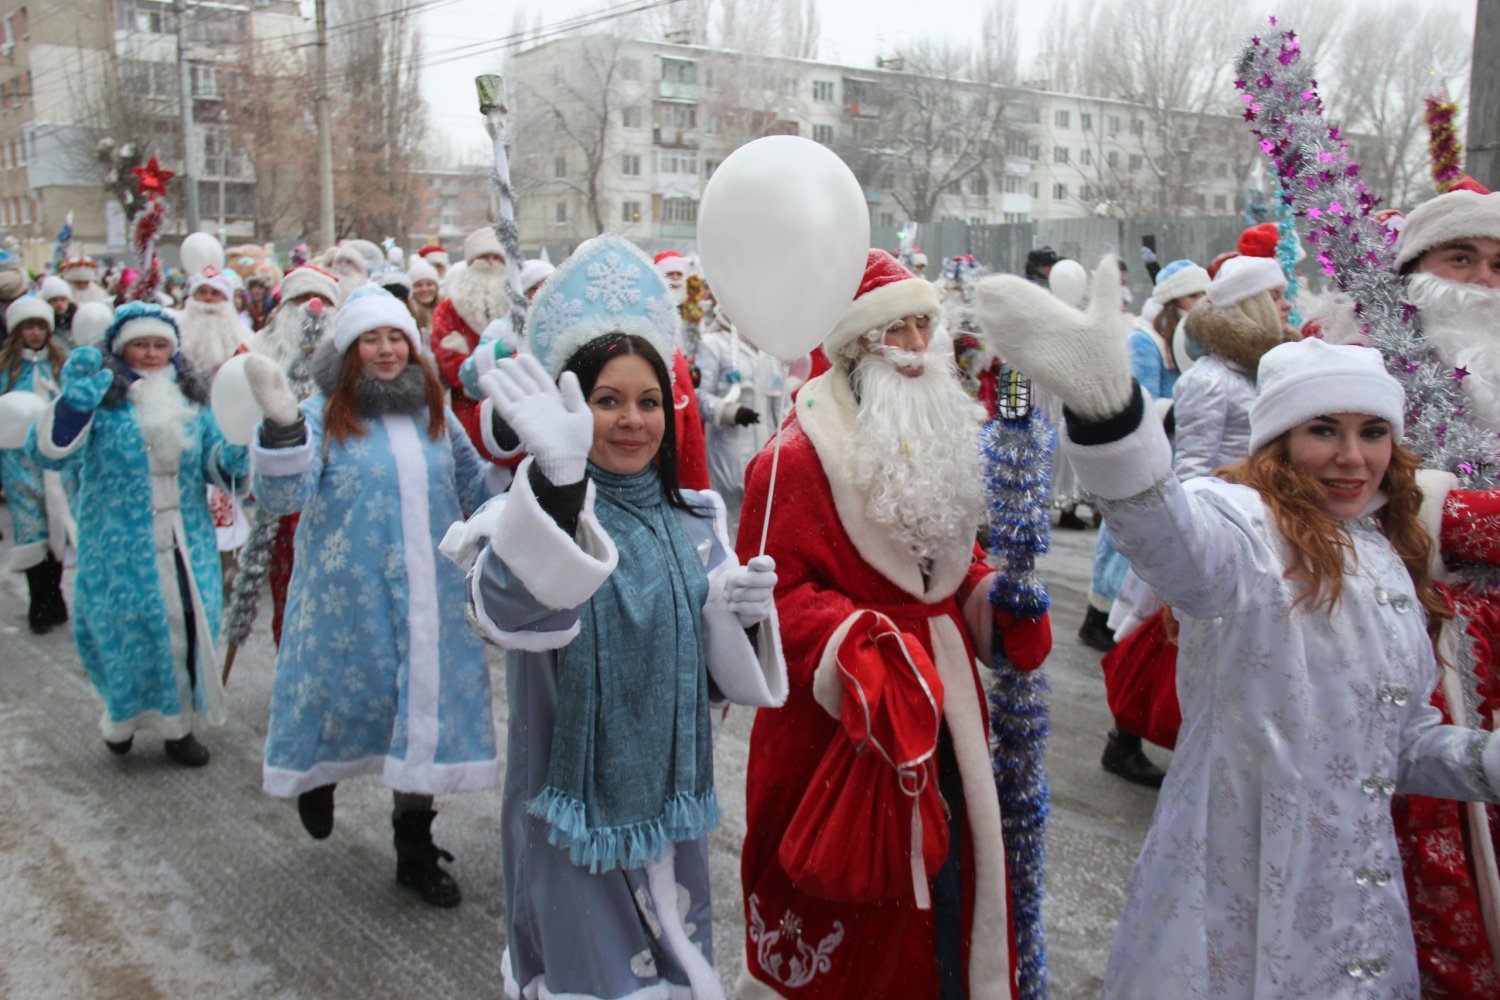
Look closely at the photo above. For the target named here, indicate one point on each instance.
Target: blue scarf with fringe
(631, 769)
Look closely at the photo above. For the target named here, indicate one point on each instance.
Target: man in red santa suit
(1449, 253)
(692, 442)
(874, 514)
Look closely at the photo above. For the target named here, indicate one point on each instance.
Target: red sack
(1140, 680)
(872, 826)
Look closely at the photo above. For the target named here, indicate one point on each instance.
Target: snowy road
(133, 878)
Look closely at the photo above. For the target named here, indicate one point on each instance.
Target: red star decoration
(151, 180)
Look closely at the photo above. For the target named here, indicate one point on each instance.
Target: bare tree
(765, 27)
(270, 123)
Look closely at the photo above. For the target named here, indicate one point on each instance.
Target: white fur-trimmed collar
(826, 410)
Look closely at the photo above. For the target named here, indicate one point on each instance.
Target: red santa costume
(1449, 848)
(874, 539)
(477, 297)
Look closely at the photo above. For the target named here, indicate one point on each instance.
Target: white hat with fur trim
(29, 307)
(534, 272)
(608, 285)
(1241, 277)
(368, 307)
(887, 292)
(135, 320)
(480, 242)
(417, 269)
(212, 277)
(309, 279)
(1312, 378)
(53, 287)
(1448, 217)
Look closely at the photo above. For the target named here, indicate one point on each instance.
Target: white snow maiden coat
(641, 932)
(1271, 868)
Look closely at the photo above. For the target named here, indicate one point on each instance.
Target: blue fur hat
(140, 319)
(607, 286)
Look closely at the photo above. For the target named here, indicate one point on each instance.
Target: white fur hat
(418, 269)
(1178, 279)
(54, 287)
(534, 272)
(1447, 217)
(368, 307)
(212, 277)
(29, 307)
(309, 279)
(1311, 378)
(1241, 277)
(135, 320)
(482, 241)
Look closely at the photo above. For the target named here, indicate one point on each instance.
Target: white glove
(553, 422)
(751, 590)
(268, 386)
(501, 330)
(1079, 355)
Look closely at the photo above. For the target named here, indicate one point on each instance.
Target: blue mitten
(85, 380)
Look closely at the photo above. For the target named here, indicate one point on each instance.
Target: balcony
(675, 138)
(677, 90)
(863, 109)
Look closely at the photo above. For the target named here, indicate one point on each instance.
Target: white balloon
(202, 250)
(233, 403)
(784, 233)
(89, 324)
(18, 411)
(1069, 282)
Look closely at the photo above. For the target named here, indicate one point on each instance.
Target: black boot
(1123, 757)
(1095, 632)
(417, 859)
(1070, 520)
(38, 613)
(120, 747)
(315, 807)
(188, 751)
(57, 606)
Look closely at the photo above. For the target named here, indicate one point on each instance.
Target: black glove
(745, 416)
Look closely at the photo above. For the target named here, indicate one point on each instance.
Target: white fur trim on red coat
(828, 683)
(559, 570)
(826, 412)
(1435, 485)
(880, 307)
(979, 615)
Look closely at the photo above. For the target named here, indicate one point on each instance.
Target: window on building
(1113, 159)
(1086, 157)
(630, 117)
(1036, 190)
(1086, 121)
(1012, 184)
(977, 220)
(630, 164)
(1112, 124)
(711, 123)
(630, 68)
(1014, 218)
(1137, 161)
(675, 115)
(823, 91)
(979, 185)
(1022, 113)
(1061, 117)
(10, 30)
(677, 161)
(708, 77)
(679, 211)
(630, 211)
(888, 220)
(144, 17)
(679, 71)
(789, 86)
(559, 166)
(1059, 154)
(1017, 145)
(1221, 203)
(1137, 126)
(709, 166)
(1059, 192)
(560, 213)
(823, 134)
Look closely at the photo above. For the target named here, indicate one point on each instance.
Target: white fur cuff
(279, 462)
(1123, 468)
(43, 431)
(747, 675)
(1435, 485)
(559, 571)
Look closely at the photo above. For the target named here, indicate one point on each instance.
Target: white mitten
(268, 385)
(751, 590)
(553, 422)
(1079, 355)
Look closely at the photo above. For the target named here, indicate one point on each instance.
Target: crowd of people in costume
(655, 519)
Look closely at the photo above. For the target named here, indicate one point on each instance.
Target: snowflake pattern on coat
(22, 474)
(356, 691)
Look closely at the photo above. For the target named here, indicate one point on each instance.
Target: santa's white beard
(282, 338)
(1462, 323)
(481, 294)
(678, 291)
(914, 451)
(211, 334)
(162, 412)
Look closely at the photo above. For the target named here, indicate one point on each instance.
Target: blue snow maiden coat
(378, 672)
(149, 593)
(41, 503)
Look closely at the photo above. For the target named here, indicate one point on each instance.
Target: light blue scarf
(631, 769)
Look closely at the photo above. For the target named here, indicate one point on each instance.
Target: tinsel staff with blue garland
(64, 242)
(1286, 250)
(1018, 447)
(492, 106)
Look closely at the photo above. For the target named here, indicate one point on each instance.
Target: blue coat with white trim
(378, 673)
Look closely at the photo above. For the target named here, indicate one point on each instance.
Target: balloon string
(765, 525)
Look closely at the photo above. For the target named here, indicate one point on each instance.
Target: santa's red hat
(668, 261)
(434, 254)
(1218, 262)
(1260, 241)
(887, 292)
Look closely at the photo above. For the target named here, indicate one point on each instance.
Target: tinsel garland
(1018, 447)
(254, 567)
(63, 244)
(146, 228)
(1323, 186)
(1286, 251)
(1443, 142)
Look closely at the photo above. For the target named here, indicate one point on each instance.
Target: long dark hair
(589, 360)
(10, 354)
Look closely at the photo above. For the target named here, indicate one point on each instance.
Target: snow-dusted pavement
(133, 878)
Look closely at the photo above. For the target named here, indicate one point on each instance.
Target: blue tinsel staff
(1018, 447)
(63, 245)
(1286, 249)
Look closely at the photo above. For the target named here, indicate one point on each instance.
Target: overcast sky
(850, 31)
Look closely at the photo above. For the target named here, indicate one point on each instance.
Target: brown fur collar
(1233, 335)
